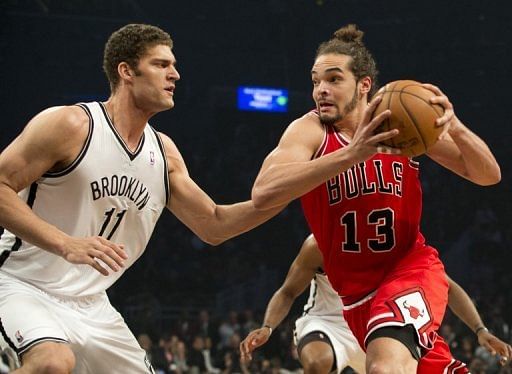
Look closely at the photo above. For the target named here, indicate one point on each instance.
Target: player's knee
(380, 368)
(316, 364)
(388, 366)
(56, 366)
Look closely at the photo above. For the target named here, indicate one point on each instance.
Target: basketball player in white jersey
(323, 338)
(81, 189)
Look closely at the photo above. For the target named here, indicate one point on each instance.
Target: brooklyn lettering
(116, 185)
(364, 179)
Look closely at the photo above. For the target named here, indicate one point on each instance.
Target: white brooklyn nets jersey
(108, 191)
(323, 301)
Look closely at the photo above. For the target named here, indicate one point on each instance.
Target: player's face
(335, 89)
(155, 79)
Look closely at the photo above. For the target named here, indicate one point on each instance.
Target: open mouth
(325, 105)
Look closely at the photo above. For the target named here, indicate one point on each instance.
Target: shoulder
(64, 122)
(305, 131)
(309, 122)
(51, 141)
(172, 154)
(310, 254)
(170, 147)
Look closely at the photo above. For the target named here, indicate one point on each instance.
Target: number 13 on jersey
(383, 237)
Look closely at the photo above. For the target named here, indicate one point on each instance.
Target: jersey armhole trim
(23, 349)
(6, 338)
(323, 145)
(313, 292)
(414, 164)
(82, 153)
(17, 240)
(166, 167)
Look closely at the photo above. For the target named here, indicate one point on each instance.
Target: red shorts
(439, 360)
(414, 293)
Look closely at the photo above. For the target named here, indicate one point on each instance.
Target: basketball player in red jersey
(362, 201)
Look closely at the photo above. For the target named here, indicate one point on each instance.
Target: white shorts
(347, 350)
(97, 334)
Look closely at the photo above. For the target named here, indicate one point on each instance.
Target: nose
(322, 88)
(173, 74)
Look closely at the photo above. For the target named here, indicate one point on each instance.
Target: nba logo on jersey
(413, 309)
(18, 336)
(151, 157)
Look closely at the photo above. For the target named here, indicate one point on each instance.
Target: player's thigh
(29, 317)
(113, 348)
(48, 357)
(389, 355)
(347, 350)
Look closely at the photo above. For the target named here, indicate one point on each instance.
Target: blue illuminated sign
(262, 99)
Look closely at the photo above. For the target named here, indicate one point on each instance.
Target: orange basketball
(412, 114)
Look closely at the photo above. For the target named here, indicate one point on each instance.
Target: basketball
(412, 114)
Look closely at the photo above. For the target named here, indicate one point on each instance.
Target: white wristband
(480, 329)
(269, 328)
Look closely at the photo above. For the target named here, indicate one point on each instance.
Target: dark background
(52, 55)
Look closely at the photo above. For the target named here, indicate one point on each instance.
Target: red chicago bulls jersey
(365, 219)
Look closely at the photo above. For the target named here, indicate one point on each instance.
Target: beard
(331, 120)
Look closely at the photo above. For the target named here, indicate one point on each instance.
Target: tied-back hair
(348, 40)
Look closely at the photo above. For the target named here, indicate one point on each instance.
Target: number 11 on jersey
(117, 221)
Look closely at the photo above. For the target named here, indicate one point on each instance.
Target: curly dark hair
(128, 44)
(348, 40)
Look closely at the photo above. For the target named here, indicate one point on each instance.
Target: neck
(128, 119)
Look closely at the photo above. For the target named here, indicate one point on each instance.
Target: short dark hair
(129, 44)
(348, 40)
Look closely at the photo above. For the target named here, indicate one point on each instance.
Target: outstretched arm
(461, 304)
(51, 141)
(213, 223)
(299, 277)
(462, 151)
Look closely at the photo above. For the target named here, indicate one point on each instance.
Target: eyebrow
(159, 60)
(335, 69)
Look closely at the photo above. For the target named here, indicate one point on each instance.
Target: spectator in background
(249, 323)
(204, 326)
(196, 361)
(231, 355)
(227, 329)
(154, 354)
(179, 363)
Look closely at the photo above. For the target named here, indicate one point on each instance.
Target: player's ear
(365, 85)
(125, 71)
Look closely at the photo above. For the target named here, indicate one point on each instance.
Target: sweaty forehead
(331, 62)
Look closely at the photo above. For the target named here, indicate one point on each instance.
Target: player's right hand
(90, 251)
(365, 142)
(255, 339)
(495, 346)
